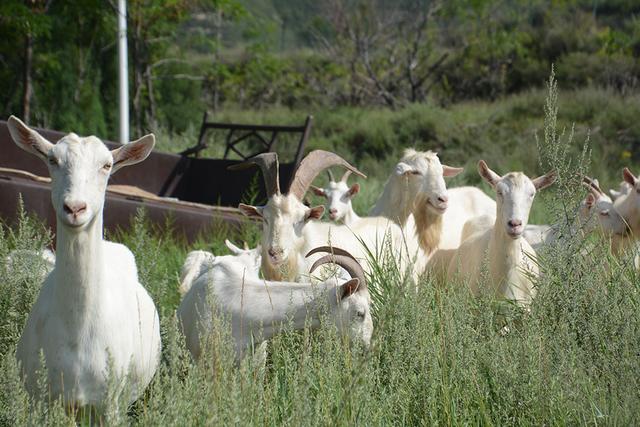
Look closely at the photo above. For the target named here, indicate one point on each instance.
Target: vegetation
(58, 58)
(439, 356)
(463, 77)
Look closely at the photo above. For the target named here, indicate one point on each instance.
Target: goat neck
(79, 264)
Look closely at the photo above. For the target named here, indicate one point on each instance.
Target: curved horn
(331, 178)
(268, 163)
(330, 250)
(593, 186)
(346, 176)
(315, 162)
(349, 264)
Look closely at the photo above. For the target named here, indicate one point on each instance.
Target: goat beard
(428, 225)
(287, 271)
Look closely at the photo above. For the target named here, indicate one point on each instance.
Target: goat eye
(106, 166)
(53, 161)
(360, 314)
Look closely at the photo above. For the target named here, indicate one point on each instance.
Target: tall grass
(437, 355)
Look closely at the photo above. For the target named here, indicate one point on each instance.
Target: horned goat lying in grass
(416, 192)
(511, 269)
(258, 309)
(289, 229)
(92, 317)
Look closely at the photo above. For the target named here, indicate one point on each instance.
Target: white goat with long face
(92, 314)
(258, 309)
(416, 193)
(339, 195)
(511, 267)
(289, 229)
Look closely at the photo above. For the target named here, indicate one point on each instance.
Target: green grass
(437, 355)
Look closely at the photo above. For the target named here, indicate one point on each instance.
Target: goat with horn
(289, 227)
(259, 309)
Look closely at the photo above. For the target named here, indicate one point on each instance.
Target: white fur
(289, 232)
(416, 193)
(596, 214)
(199, 262)
(465, 203)
(624, 189)
(258, 309)
(510, 267)
(91, 312)
(628, 205)
(339, 206)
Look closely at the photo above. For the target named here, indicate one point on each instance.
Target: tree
(389, 47)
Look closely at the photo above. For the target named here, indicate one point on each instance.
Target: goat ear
(349, 288)
(403, 169)
(233, 248)
(629, 177)
(487, 174)
(251, 211)
(28, 139)
(355, 189)
(589, 201)
(133, 152)
(314, 213)
(318, 191)
(448, 171)
(614, 194)
(545, 180)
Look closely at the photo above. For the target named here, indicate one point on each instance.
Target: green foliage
(437, 358)
(187, 56)
(438, 355)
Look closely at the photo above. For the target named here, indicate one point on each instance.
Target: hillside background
(464, 77)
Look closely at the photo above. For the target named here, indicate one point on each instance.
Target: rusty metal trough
(195, 193)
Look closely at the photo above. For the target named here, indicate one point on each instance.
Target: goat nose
(443, 198)
(273, 252)
(515, 223)
(75, 208)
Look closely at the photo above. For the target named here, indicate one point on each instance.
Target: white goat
(92, 314)
(199, 262)
(595, 214)
(339, 195)
(259, 309)
(623, 189)
(628, 205)
(416, 194)
(510, 265)
(288, 229)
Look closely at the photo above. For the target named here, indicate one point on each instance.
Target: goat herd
(92, 315)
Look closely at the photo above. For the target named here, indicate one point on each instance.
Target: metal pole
(123, 75)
